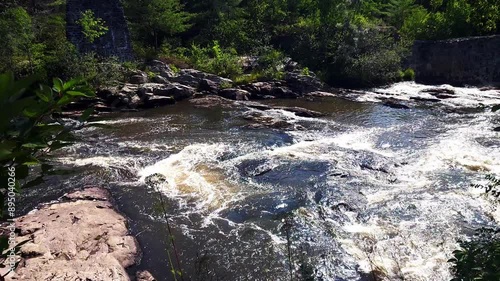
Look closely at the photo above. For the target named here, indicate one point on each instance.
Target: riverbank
(80, 237)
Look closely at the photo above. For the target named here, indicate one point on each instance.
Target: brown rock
(144, 276)
(85, 239)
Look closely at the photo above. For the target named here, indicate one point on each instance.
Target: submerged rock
(394, 104)
(303, 112)
(259, 120)
(157, 101)
(81, 239)
(425, 99)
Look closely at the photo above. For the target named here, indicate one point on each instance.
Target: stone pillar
(116, 42)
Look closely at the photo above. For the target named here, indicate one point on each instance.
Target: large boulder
(274, 89)
(120, 97)
(303, 83)
(208, 86)
(139, 78)
(83, 238)
(176, 90)
(235, 94)
(161, 68)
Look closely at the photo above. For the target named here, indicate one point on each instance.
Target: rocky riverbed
(352, 169)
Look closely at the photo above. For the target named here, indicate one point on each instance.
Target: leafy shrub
(478, 259)
(223, 62)
(408, 75)
(28, 132)
(98, 71)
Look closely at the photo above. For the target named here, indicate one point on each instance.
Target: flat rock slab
(84, 239)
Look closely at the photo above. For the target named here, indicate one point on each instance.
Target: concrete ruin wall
(471, 61)
(116, 42)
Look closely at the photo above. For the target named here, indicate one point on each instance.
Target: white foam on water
(418, 248)
(464, 97)
(196, 176)
(118, 121)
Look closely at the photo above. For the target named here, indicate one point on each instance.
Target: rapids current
(367, 188)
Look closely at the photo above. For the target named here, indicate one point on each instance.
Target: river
(365, 189)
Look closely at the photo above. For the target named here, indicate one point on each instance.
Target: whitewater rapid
(374, 189)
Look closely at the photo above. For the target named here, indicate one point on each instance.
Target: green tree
(92, 27)
(18, 37)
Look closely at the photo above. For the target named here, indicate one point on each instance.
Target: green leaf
(58, 85)
(78, 94)
(71, 83)
(64, 100)
(86, 114)
(30, 112)
(34, 145)
(6, 81)
(45, 93)
(6, 149)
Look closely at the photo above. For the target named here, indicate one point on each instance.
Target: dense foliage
(345, 42)
(478, 259)
(28, 132)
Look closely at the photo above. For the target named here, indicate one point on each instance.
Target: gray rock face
(83, 239)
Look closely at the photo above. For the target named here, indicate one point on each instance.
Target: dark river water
(367, 188)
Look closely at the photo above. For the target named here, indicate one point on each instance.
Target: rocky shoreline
(79, 237)
(161, 86)
(143, 91)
